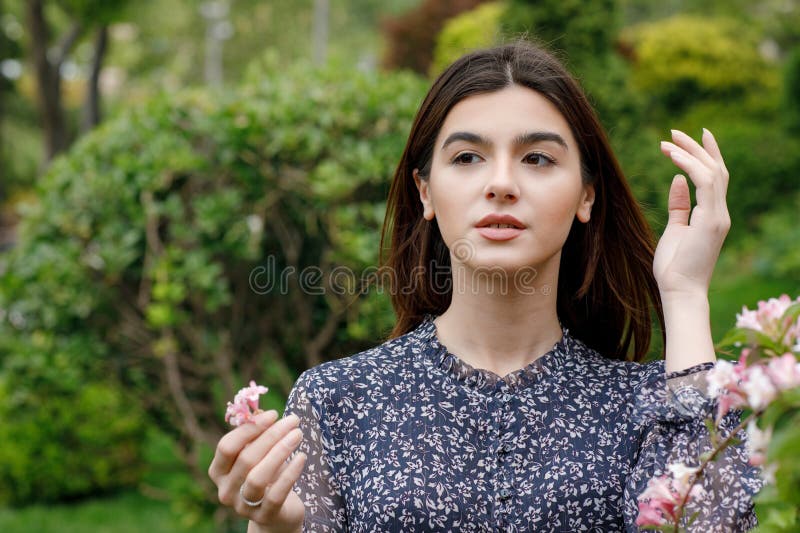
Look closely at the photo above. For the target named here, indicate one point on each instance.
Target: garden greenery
(146, 263)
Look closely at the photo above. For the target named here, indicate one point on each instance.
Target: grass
(128, 512)
(125, 512)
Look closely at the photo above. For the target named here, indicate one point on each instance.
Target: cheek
(448, 213)
(451, 210)
(557, 210)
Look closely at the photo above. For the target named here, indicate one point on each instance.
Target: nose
(501, 184)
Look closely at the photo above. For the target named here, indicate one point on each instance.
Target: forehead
(505, 113)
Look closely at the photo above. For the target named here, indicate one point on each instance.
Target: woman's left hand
(688, 250)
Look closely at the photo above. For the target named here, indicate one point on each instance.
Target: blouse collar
(481, 379)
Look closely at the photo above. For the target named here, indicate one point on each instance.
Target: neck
(500, 329)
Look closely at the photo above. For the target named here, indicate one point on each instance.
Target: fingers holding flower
(255, 465)
(244, 407)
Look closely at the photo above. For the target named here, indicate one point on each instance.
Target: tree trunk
(48, 77)
(48, 82)
(91, 117)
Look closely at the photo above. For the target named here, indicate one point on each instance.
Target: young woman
(510, 397)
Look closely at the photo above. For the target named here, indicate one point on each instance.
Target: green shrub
(62, 438)
(684, 59)
(774, 244)
(155, 236)
(468, 31)
(583, 34)
(791, 91)
(585, 31)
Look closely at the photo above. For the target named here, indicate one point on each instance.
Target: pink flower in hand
(245, 405)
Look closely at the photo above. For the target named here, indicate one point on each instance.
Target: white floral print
(407, 437)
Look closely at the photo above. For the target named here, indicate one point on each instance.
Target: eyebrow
(520, 140)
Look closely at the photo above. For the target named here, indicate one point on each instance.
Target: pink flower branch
(766, 369)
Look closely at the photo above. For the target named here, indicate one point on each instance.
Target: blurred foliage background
(163, 161)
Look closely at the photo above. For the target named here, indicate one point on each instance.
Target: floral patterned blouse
(407, 437)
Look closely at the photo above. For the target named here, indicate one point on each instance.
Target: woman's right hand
(252, 459)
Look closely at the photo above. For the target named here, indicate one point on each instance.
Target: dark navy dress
(407, 437)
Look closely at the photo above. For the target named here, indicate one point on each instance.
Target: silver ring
(248, 502)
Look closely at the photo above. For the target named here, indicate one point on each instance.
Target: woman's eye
(538, 159)
(466, 158)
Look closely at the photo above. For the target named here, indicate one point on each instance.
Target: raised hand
(253, 476)
(689, 247)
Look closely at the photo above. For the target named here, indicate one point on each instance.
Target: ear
(423, 186)
(585, 207)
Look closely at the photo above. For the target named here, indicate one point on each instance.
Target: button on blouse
(407, 437)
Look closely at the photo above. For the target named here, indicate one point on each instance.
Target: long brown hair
(606, 284)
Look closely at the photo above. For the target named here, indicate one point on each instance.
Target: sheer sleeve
(317, 485)
(670, 410)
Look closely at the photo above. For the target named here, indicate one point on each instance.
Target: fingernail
(293, 419)
(674, 132)
(267, 416)
(706, 131)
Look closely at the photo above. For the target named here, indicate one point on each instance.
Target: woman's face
(508, 152)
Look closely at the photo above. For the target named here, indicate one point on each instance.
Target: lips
(497, 218)
(499, 233)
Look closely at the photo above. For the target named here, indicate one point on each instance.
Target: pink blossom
(245, 404)
(728, 401)
(723, 376)
(681, 476)
(748, 319)
(784, 371)
(757, 443)
(659, 504)
(237, 414)
(725, 381)
(758, 387)
(650, 514)
(791, 338)
(767, 319)
(774, 308)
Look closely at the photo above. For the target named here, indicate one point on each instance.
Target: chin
(497, 266)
